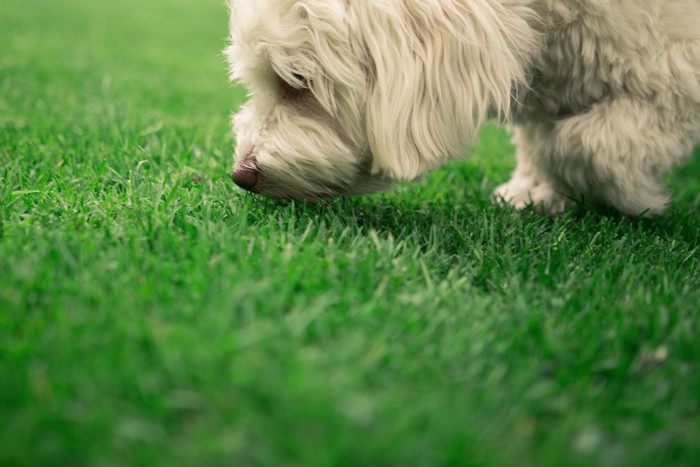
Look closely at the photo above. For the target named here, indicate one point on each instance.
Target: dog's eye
(300, 80)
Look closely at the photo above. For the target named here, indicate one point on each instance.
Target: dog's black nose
(246, 177)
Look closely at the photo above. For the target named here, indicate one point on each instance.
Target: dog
(349, 96)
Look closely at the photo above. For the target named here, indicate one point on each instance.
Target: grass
(151, 314)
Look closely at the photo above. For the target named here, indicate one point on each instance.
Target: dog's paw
(521, 192)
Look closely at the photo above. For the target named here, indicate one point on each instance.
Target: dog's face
(348, 96)
(302, 133)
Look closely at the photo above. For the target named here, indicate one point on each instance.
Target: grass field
(151, 314)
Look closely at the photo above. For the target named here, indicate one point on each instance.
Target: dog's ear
(437, 71)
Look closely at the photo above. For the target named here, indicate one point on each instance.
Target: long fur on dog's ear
(437, 71)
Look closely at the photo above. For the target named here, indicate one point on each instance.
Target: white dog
(350, 95)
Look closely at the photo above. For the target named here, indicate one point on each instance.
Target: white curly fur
(350, 95)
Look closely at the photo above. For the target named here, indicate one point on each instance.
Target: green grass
(151, 314)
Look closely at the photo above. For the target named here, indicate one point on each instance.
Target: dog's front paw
(521, 192)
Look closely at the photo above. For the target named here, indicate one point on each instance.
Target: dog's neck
(557, 85)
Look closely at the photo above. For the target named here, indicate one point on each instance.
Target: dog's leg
(527, 185)
(616, 153)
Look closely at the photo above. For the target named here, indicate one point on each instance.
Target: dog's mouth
(321, 193)
(270, 191)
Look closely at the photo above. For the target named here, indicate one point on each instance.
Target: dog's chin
(319, 192)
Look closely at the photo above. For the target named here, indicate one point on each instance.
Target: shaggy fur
(348, 96)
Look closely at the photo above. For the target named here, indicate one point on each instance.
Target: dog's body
(348, 96)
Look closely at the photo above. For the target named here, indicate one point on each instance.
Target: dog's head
(348, 96)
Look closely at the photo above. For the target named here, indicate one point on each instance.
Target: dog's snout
(246, 175)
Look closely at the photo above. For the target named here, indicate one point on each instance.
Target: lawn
(152, 314)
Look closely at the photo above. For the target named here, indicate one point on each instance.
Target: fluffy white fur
(350, 95)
